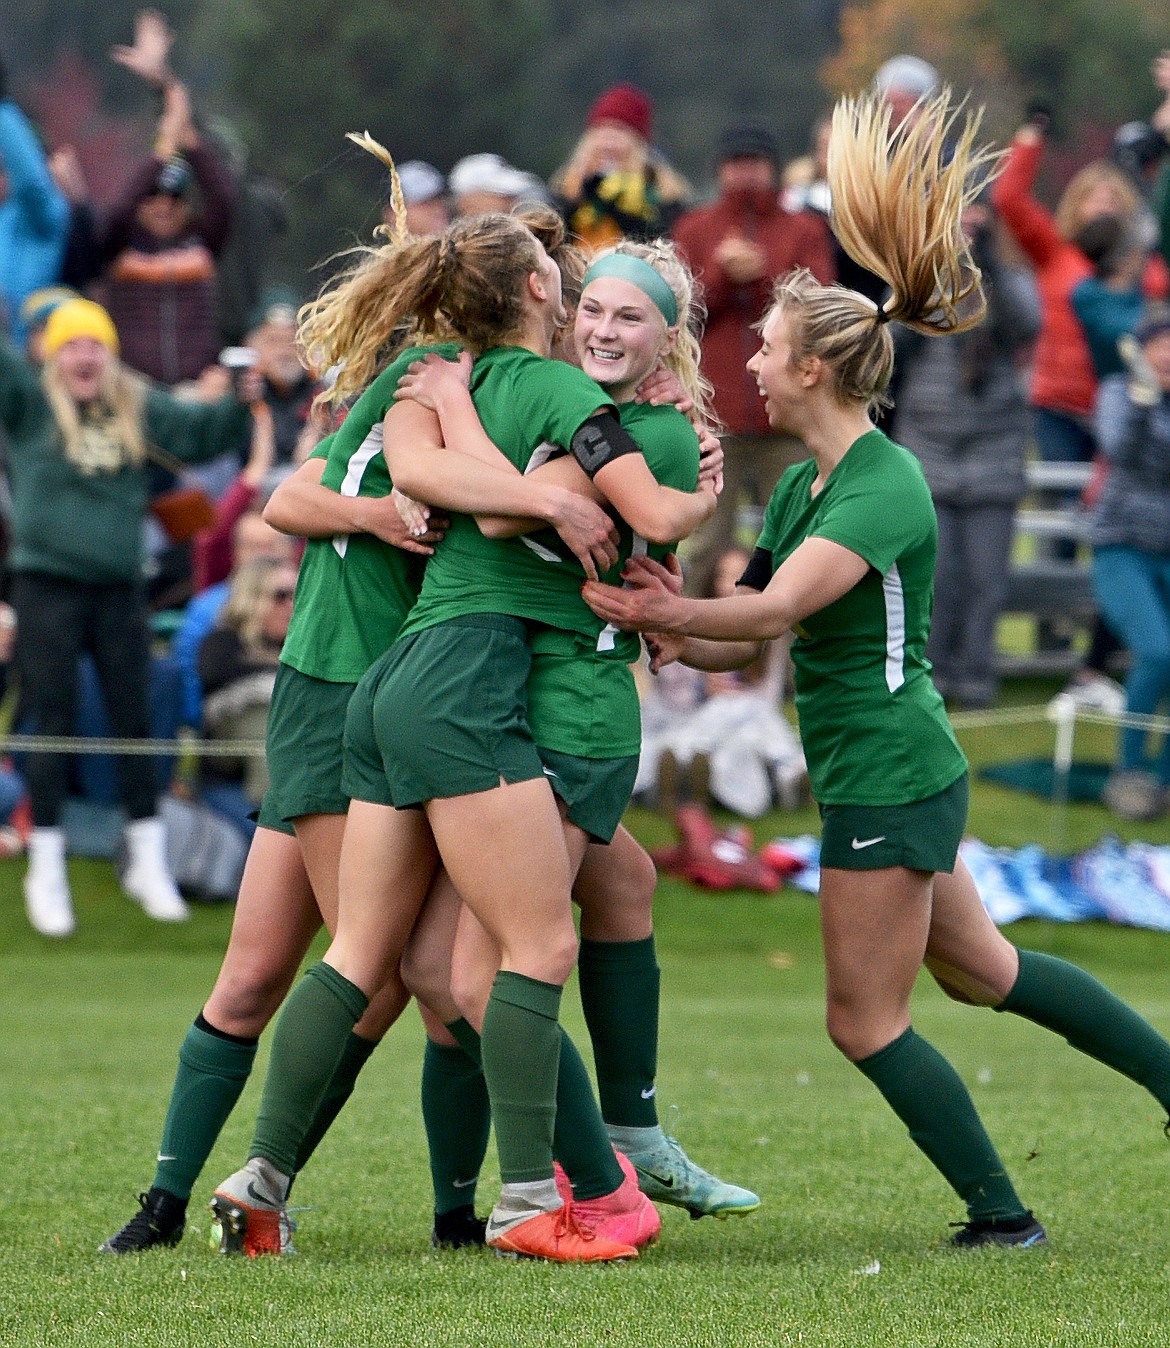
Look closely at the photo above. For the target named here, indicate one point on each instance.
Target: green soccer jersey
(581, 696)
(354, 590)
(874, 728)
(524, 402)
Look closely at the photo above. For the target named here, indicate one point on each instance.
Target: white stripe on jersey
(355, 470)
(895, 601)
(541, 454)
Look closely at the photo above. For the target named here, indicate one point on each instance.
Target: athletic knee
(844, 1038)
(857, 1036)
(622, 909)
(549, 961)
(244, 1001)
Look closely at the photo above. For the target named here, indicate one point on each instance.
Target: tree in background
(431, 82)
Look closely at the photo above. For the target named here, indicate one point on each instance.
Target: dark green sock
(467, 1037)
(620, 983)
(521, 1046)
(926, 1093)
(1061, 997)
(310, 1037)
(580, 1141)
(354, 1057)
(213, 1068)
(458, 1119)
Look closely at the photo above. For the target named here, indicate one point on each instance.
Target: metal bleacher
(1041, 584)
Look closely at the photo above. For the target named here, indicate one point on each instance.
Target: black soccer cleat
(459, 1229)
(1022, 1233)
(159, 1220)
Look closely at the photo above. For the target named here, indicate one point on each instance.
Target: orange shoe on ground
(625, 1215)
(558, 1236)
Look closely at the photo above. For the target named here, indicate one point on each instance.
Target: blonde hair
(117, 416)
(1068, 215)
(898, 198)
(683, 359)
(465, 285)
(243, 611)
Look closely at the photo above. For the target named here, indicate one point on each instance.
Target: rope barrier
(1063, 711)
(189, 744)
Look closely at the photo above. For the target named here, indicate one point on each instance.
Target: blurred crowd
(152, 396)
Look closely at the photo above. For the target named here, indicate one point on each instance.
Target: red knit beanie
(624, 103)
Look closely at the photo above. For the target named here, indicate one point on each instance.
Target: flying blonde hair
(683, 359)
(465, 285)
(898, 197)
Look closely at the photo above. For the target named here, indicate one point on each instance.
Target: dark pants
(970, 586)
(56, 621)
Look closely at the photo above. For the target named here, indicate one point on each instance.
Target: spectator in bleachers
(1063, 382)
(960, 408)
(737, 246)
(34, 314)
(482, 183)
(78, 431)
(616, 185)
(1108, 303)
(237, 668)
(1142, 148)
(34, 216)
(159, 249)
(238, 537)
(1131, 551)
(288, 389)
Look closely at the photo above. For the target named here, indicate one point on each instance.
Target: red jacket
(790, 239)
(1063, 378)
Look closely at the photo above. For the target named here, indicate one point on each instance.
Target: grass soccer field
(847, 1249)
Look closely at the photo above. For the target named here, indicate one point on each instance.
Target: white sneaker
(148, 879)
(46, 884)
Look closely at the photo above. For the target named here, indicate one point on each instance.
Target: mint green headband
(640, 273)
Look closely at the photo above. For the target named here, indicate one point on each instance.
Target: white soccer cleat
(47, 899)
(148, 879)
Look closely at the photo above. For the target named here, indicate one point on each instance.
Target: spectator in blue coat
(34, 216)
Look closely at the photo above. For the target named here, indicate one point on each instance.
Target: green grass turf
(846, 1250)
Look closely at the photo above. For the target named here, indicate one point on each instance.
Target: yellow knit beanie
(78, 318)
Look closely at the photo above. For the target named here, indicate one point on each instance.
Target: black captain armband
(758, 571)
(599, 441)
